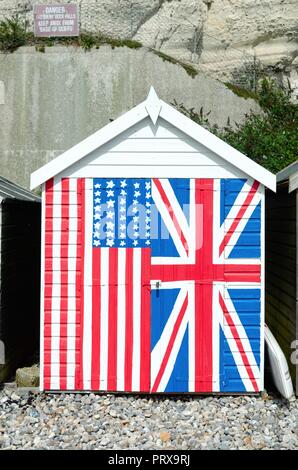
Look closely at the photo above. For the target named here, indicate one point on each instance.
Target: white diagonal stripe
(233, 344)
(160, 348)
(242, 223)
(179, 214)
(168, 221)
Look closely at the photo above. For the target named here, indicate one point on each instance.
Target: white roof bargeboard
(154, 108)
(290, 174)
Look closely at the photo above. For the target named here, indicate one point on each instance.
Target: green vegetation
(14, 34)
(40, 48)
(88, 41)
(242, 92)
(270, 138)
(189, 69)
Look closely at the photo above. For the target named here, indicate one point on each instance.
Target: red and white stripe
(96, 301)
(117, 356)
(115, 312)
(62, 240)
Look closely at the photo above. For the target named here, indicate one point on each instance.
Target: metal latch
(156, 284)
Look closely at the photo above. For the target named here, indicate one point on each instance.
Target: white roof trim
(88, 145)
(289, 174)
(286, 172)
(218, 146)
(293, 182)
(153, 107)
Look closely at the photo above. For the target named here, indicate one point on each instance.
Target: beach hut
(152, 260)
(20, 218)
(281, 271)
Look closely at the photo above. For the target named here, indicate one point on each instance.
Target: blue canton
(121, 212)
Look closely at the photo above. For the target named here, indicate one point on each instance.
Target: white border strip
(56, 283)
(104, 317)
(121, 319)
(42, 285)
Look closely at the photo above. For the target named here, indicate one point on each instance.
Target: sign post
(56, 20)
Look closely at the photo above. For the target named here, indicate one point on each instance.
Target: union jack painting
(155, 285)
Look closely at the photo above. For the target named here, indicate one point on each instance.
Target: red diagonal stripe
(239, 216)
(238, 342)
(170, 345)
(171, 212)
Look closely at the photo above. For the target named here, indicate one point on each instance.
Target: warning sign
(56, 20)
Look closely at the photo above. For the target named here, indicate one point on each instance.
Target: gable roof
(153, 107)
(290, 174)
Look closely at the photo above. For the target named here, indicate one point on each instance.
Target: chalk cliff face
(232, 40)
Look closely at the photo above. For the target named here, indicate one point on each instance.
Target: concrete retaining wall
(50, 101)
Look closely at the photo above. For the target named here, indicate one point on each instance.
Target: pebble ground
(74, 421)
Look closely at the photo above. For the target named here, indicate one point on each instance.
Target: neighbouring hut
(281, 265)
(20, 234)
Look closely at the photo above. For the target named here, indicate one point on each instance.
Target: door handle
(156, 284)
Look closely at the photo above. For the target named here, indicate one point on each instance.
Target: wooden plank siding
(142, 151)
(281, 269)
(19, 282)
(161, 151)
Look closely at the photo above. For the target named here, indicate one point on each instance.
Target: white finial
(153, 105)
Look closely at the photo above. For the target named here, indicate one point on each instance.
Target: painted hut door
(205, 247)
(120, 286)
(171, 237)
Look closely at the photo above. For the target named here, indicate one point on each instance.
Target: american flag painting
(153, 285)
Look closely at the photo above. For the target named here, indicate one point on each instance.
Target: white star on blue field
(121, 212)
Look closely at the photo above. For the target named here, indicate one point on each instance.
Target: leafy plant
(122, 42)
(270, 138)
(189, 69)
(13, 33)
(87, 41)
(200, 118)
(242, 92)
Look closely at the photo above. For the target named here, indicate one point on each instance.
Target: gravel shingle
(69, 421)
